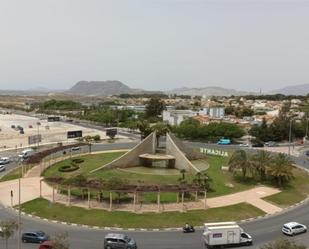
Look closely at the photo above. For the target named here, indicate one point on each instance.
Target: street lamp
(19, 207)
(38, 124)
(290, 136)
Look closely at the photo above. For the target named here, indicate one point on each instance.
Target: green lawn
(224, 182)
(95, 217)
(12, 175)
(297, 190)
(91, 162)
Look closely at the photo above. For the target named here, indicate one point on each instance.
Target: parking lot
(51, 132)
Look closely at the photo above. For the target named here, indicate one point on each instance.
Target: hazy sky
(154, 44)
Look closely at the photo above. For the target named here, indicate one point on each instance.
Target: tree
(60, 241)
(260, 162)
(281, 169)
(144, 128)
(161, 129)
(283, 244)
(240, 161)
(154, 107)
(7, 228)
(203, 181)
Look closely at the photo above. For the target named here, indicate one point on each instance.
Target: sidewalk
(31, 190)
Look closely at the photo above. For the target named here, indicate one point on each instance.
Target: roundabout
(262, 230)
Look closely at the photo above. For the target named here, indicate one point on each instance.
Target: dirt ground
(52, 132)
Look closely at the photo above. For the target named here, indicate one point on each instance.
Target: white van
(26, 153)
(221, 234)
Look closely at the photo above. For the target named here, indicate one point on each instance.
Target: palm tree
(260, 162)
(240, 161)
(161, 129)
(281, 169)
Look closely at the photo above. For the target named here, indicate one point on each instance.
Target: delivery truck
(25, 154)
(222, 234)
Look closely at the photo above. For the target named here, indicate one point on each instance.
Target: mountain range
(114, 87)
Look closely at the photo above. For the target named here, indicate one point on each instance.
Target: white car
(2, 167)
(75, 148)
(4, 160)
(244, 145)
(293, 228)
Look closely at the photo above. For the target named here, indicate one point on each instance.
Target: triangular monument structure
(148, 153)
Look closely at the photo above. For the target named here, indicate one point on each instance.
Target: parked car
(271, 144)
(121, 241)
(30, 126)
(293, 228)
(244, 145)
(2, 167)
(34, 237)
(46, 245)
(307, 153)
(4, 160)
(224, 141)
(258, 145)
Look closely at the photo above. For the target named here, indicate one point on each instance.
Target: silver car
(293, 228)
(119, 241)
(2, 167)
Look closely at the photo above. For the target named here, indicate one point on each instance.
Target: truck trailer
(222, 234)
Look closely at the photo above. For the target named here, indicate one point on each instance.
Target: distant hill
(207, 91)
(293, 90)
(100, 88)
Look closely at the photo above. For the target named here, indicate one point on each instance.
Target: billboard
(74, 134)
(53, 119)
(34, 139)
(111, 132)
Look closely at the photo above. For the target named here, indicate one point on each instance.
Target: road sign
(34, 139)
(74, 134)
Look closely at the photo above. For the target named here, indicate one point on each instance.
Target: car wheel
(108, 247)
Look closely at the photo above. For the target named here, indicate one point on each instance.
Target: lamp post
(290, 136)
(38, 124)
(19, 207)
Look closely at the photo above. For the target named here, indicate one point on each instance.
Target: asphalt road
(263, 230)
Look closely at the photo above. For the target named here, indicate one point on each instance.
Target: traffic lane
(269, 228)
(8, 167)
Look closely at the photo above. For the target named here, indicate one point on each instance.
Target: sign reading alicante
(214, 152)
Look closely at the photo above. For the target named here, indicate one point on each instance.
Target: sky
(154, 44)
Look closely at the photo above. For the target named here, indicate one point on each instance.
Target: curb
(171, 229)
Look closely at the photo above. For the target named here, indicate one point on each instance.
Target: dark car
(119, 241)
(258, 145)
(307, 153)
(34, 237)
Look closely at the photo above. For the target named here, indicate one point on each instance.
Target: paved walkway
(30, 189)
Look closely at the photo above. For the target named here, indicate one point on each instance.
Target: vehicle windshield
(40, 233)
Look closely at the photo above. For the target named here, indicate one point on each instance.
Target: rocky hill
(99, 88)
(293, 90)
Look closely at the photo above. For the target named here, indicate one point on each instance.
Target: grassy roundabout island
(76, 176)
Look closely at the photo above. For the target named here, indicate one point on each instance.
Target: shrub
(68, 168)
(77, 160)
